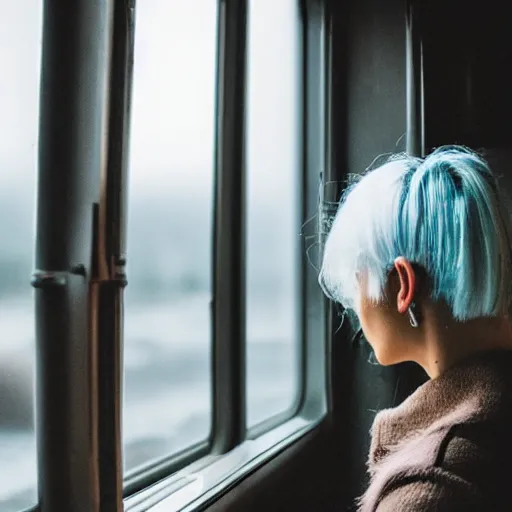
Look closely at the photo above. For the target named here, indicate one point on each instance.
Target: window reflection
(273, 131)
(167, 319)
(20, 52)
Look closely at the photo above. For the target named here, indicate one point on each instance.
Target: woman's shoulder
(449, 441)
(480, 453)
(477, 394)
(413, 476)
(456, 467)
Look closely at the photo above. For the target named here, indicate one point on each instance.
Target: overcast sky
(173, 104)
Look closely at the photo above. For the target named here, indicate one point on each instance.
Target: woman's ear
(407, 289)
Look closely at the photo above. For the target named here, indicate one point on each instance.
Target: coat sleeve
(429, 495)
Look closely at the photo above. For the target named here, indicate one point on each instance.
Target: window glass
(273, 158)
(20, 54)
(167, 316)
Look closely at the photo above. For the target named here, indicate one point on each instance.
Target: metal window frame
(228, 358)
(197, 485)
(107, 291)
(73, 147)
(80, 260)
(80, 252)
(228, 306)
(307, 208)
(316, 126)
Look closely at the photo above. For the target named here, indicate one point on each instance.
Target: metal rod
(110, 257)
(72, 137)
(317, 172)
(229, 410)
(415, 131)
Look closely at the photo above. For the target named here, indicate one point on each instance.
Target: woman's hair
(444, 213)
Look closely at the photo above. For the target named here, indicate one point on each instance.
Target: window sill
(202, 480)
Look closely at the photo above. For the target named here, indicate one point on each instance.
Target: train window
(167, 399)
(20, 47)
(258, 81)
(219, 185)
(273, 186)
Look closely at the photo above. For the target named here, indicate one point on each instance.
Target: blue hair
(444, 213)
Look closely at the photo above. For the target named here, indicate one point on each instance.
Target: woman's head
(418, 232)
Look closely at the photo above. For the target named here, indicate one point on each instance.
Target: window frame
(80, 266)
(197, 485)
(71, 260)
(228, 305)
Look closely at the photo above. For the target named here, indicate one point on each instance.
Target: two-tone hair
(444, 213)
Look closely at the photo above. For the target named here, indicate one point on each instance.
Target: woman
(420, 249)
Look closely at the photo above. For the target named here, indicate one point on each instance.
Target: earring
(412, 316)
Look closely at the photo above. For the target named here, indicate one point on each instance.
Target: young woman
(421, 250)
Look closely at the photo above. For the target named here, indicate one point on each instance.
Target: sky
(174, 93)
(20, 43)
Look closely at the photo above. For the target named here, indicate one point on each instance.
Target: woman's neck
(447, 342)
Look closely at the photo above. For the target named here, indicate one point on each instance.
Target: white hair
(444, 213)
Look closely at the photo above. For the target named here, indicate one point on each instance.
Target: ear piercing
(412, 315)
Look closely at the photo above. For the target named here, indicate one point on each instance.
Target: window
(167, 350)
(215, 265)
(20, 46)
(273, 206)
